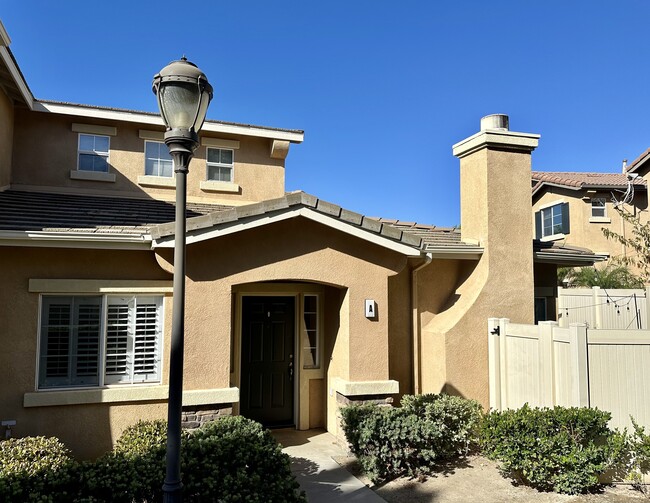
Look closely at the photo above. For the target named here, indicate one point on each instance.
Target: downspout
(416, 323)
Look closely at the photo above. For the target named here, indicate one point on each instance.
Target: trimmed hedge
(559, 449)
(229, 460)
(36, 469)
(408, 440)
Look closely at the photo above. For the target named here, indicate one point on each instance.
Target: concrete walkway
(322, 478)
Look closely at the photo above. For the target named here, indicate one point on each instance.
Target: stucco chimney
(496, 209)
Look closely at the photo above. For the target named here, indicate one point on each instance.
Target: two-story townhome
(294, 305)
(574, 207)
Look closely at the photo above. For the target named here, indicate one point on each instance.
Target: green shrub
(36, 469)
(559, 449)
(637, 462)
(409, 440)
(133, 471)
(235, 459)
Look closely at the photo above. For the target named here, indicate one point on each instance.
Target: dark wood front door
(267, 366)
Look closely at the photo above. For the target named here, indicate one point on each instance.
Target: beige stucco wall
(45, 151)
(87, 429)
(586, 233)
(495, 204)
(6, 138)
(298, 255)
(357, 349)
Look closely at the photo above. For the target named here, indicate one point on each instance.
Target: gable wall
(45, 152)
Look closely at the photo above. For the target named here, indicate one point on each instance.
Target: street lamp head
(183, 93)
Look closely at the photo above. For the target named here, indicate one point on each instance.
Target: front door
(267, 366)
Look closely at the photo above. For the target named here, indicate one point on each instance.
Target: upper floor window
(598, 208)
(93, 153)
(220, 164)
(552, 220)
(158, 161)
(94, 340)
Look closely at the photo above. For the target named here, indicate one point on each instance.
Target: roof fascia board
(18, 79)
(75, 240)
(551, 184)
(140, 118)
(455, 252)
(315, 216)
(567, 258)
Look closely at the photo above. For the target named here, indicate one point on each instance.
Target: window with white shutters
(78, 333)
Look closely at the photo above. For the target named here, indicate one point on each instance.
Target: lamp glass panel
(178, 103)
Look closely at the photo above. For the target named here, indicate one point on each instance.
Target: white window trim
(208, 164)
(303, 331)
(604, 219)
(157, 177)
(102, 346)
(219, 186)
(553, 237)
(94, 152)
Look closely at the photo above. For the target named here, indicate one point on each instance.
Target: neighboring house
(294, 305)
(573, 208)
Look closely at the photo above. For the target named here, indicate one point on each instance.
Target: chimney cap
(499, 122)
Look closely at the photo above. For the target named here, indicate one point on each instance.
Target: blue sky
(382, 89)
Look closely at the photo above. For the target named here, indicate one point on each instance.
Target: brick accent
(195, 416)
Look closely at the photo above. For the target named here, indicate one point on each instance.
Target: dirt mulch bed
(477, 479)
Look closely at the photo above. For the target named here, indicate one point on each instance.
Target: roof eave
(156, 120)
(93, 240)
(567, 259)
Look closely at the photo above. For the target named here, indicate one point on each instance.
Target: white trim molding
(219, 143)
(357, 388)
(121, 394)
(156, 120)
(93, 240)
(265, 219)
(156, 181)
(219, 186)
(99, 286)
(94, 129)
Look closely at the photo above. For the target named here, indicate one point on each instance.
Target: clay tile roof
(579, 180)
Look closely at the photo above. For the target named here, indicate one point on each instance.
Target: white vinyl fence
(603, 308)
(546, 365)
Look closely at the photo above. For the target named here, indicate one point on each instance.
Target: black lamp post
(183, 93)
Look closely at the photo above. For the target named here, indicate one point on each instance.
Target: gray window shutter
(566, 227)
(538, 225)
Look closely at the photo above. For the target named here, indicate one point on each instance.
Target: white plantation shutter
(119, 339)
(133, 338)
(70, 341)
(146, 347)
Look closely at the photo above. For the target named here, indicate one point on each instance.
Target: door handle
(291, 370)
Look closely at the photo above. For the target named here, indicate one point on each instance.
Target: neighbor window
(552, 220)
(310, 337)
(97, 340)
(158, 161)
(93, 153)
(220, 164)
(598, 207)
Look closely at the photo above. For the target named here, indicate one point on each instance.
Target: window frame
(94, 152)
(103, 380)
(209, 165)
(159, 174)
(602, 200)
(304, 332)
(557, 230)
